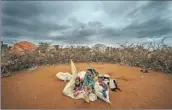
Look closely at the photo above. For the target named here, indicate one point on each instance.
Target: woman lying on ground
(89, 78)
(89, 83)
(78, 86)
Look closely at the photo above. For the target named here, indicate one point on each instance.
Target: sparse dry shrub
(155, 57)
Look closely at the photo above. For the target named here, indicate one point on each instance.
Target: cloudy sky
(87, 22)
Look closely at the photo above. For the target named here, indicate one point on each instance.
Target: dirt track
(41, 89)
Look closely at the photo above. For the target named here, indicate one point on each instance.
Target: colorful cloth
(78, 90)
(105, 88)
(88, 81)
(104, 93)
(103, 85)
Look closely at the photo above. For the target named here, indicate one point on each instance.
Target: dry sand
(41, 89)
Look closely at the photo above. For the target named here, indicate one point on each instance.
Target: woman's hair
(93, 71)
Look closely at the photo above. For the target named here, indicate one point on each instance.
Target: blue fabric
(88, 80)
(104, 93)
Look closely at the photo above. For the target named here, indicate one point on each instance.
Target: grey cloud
(20, 9)
(146, 20)
(104, 21)
(154, 27)
(10, 34)
(118, 8)
(154, 24)
(29, 9)
(153, 9)
(22, 19)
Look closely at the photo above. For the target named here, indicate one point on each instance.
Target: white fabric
(112, 85)
(68, 90)
(98, 91)
(64, 76)
(92, 97)
(81, 74)
(106, 75)
(98, 88)
(67, 76)
(106, 81)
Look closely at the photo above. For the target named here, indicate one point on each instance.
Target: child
(78, 86)
(103, 85)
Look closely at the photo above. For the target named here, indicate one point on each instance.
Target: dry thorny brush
(153, 57)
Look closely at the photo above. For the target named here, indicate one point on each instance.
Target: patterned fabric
(105, 88)
(104, 93)
(78, 84)
(78, 90)
(78, 87)
(103, 85)
(88, 81)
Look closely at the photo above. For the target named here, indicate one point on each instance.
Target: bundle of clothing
(89, 85)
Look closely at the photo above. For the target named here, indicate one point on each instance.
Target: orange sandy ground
(41, 89)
